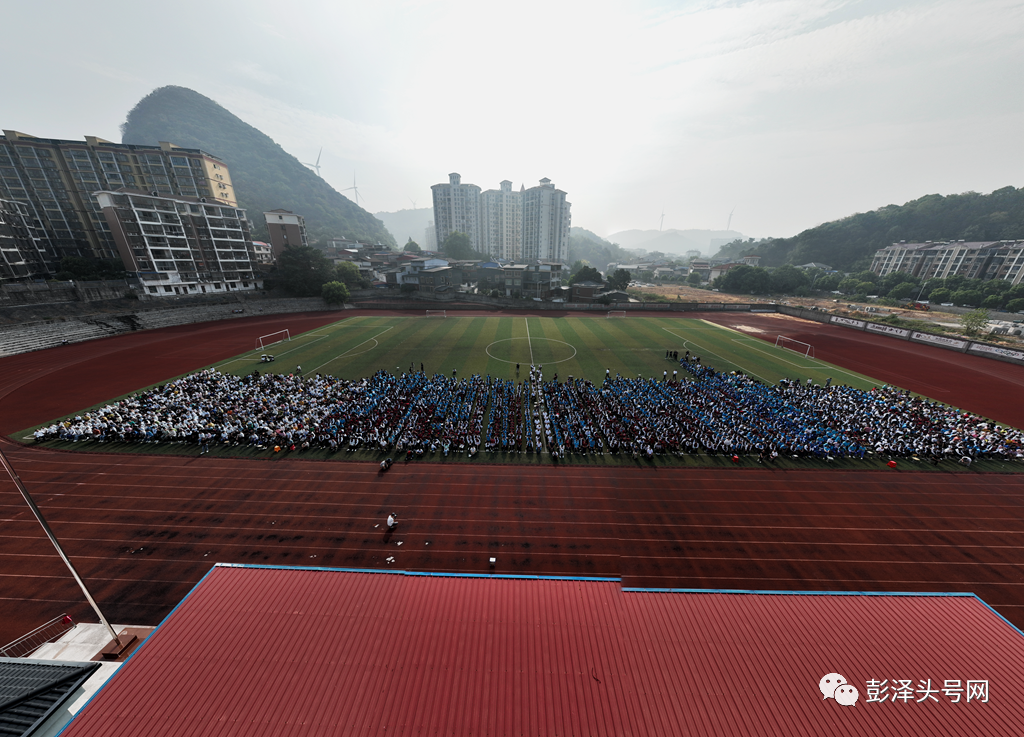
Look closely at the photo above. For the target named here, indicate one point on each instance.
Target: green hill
(265, 176)
(849, 244)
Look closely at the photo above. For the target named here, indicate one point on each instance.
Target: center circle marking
(534, 340)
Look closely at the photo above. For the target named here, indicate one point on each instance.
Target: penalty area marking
(250, 357)
(708, 350)
(487, 350)
(349, 353)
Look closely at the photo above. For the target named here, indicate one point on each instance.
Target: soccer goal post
(616, 313)
(804, 349)
(436, 313)
(279, 337)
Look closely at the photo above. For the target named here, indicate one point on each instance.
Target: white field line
(374, 338)
(249, 356)
(528, 341)
(744, 369)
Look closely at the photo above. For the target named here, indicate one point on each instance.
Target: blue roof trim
(400, 572)
(136, 650)
(989, 607)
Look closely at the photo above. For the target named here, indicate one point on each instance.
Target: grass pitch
(569, 346)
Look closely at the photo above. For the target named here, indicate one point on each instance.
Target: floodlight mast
(53, 538)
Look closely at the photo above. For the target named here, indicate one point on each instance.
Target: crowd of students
(708, 411)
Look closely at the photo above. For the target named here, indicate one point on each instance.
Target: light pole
(921, 290)
(53, 538)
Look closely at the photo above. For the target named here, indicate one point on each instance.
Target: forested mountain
(849, 244)
(674, 241)
(406, 224)
(596, 251)
(265, 176)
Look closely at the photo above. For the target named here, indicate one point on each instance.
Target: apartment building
(24, 250)
(501, 222)
(941, 259)
(456, 210)
(56, 180)
(546, 223)
(181, 245)
(286, 229)
(528, 225)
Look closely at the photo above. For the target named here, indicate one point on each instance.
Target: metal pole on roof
(53, 538)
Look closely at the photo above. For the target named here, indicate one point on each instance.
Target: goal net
(279, 337)
(804, 349)
(617, 313)
(436, 313)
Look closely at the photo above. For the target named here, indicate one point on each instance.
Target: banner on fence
(997, 351)
(939, 340)
(887, 330)
(848, 321)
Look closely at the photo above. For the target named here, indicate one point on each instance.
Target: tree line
(992, 294)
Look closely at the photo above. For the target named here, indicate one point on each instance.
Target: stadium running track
(142, 530)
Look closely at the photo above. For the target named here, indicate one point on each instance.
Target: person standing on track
(392, 521)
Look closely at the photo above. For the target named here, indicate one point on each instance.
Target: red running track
(143, 530)
(982, 385)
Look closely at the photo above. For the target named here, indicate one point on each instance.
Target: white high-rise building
(501, 222)
(546, 223)
(528, 225)
(456, 209)
(430, 237)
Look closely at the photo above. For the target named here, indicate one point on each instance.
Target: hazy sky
(793, 112)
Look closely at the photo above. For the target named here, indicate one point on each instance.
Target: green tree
(302, 271)
(868, 276)
(848, 286)
(587, 273)
(972, 322)
(348, 273)
(967, 297)
(992, 302)
(828, 283)
(619, 280)
(412, 247)
(865, 287)
(693, 279)
(902, 290)
(940, 295)
(577, 265)
(334, 293)
(787, 279)
(891, 281)
(408, 288)
(1015, 305)
(457, 246)
(745, 279)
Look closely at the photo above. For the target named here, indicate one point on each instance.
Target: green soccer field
(569, 346)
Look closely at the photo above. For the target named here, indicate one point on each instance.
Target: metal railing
(49, 632)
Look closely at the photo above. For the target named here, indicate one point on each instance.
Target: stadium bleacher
(34, 336)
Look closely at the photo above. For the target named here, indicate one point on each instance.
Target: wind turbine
(729, 223)
(662, 220)
(354, 189)
(317, 164)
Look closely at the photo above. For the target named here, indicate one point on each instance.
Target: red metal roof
(278, 651)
